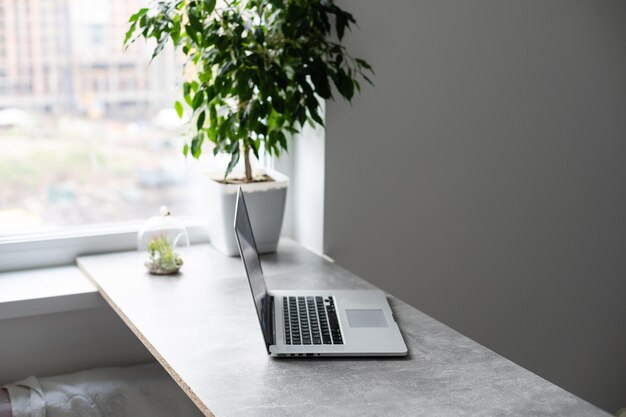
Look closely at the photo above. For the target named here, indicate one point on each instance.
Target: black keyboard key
(311, 320)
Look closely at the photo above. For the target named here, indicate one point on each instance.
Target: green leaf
(196, 145)
(194, 21)
(349, 88)
(129, 34)
(233, 147)
(198, 99)
(179, 109)
(200, 121)
(212, 116)
(234, 159)
(341, 24)
(189, 30)
(137, 15)
(316, 117)
(225, 69)
(259, 35)
(185, 150)
(158, 49)
(364, 64)
(255, 148)
(320, 80)
(344, 85)
(282, 140)
(209, 6)
(279, 104)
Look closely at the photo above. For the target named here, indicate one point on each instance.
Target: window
(88, 134)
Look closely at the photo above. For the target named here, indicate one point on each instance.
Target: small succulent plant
(163, 259)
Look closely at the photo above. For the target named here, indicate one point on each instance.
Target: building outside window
(88, 134)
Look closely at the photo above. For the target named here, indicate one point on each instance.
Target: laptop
(309, 323)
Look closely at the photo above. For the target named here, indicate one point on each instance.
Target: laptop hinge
(270, 323)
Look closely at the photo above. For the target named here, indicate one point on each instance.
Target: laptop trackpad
(366, 318)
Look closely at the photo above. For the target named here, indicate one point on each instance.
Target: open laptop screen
(252, 264)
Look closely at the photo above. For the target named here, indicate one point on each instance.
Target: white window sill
(62, 248)
(46, 291)
(38, 275)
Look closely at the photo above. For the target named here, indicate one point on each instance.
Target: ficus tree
(260, 68)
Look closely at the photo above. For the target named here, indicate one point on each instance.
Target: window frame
(47, 249)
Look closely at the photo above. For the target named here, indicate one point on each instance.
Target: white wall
(56, 344)
(482, 179)
(304, 218)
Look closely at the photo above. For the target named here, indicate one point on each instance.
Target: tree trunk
(246, 158)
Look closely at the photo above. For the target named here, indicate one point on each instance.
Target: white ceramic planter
(266, 207)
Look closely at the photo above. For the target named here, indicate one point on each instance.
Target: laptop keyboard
(311, 321)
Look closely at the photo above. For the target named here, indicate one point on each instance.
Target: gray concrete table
(202, 327)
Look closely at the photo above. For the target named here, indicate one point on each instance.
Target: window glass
(88, 134)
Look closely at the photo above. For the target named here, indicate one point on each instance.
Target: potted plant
(258, 71)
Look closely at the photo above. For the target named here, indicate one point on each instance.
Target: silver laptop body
(306, 323)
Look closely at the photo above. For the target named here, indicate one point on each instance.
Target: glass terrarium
(161, 236)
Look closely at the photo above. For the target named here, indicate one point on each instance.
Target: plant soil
(242, 180)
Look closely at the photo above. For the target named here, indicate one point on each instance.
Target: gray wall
(483, 179)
